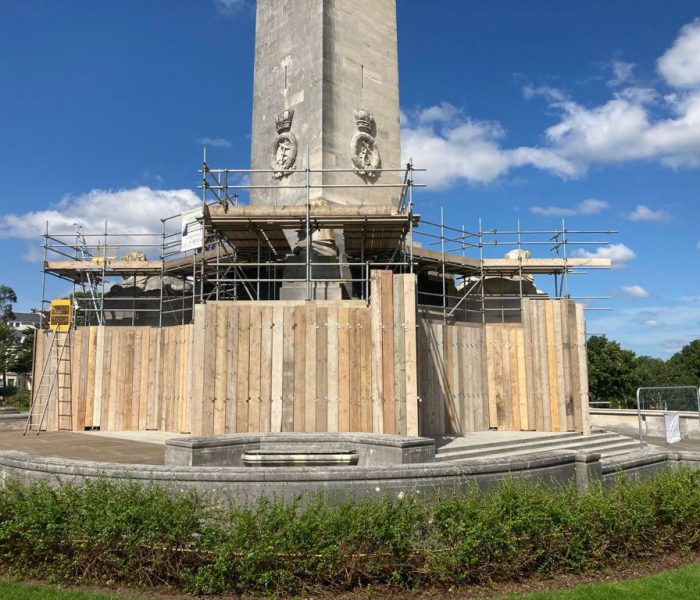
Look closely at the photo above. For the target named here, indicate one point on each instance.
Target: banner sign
(192, 230)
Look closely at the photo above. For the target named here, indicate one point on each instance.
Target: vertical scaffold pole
(43, 277)
(410, 215)
(308, 227)
(442, 261)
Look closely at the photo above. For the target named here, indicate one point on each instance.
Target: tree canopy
(614, 374)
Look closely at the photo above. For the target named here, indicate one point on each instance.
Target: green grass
(680, 584)
(21, 591)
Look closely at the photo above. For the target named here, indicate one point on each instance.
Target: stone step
(608, 443)
(499, 443)
(540, 443)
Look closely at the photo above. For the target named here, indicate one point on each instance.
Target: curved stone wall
(243, 484)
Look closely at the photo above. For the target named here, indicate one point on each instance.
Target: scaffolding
(251, 252)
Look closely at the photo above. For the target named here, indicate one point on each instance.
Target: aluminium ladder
(54, 382)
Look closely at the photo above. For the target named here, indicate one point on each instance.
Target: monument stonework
(327, 70)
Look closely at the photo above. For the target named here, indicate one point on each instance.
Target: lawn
(19, 591)
(680, 584)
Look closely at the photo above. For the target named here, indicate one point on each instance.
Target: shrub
(107, 532)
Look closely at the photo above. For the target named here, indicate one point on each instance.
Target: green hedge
(107, 533)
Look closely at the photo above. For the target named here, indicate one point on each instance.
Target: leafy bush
(107, 532)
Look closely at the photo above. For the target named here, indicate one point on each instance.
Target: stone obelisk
(326, 82)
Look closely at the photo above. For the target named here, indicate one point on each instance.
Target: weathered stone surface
(326, 60)
(247, 484)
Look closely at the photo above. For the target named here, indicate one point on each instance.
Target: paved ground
(686, 444)
(83, 446)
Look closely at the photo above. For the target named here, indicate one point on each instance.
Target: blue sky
(520, 110)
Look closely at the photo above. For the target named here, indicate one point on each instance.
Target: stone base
(369, 449)
(320, 290)
(296, 290)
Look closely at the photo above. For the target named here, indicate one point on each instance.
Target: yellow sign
(60, 315)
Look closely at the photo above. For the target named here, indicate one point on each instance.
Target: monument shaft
(326, 80)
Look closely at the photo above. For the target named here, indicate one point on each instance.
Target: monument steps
(605, 443)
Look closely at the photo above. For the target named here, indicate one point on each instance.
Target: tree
(611, 372)
(7, 299)
(684, 365)
(651, 372)
(8, 350)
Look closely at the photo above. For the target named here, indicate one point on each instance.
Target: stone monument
(326, 88)
(326, 82)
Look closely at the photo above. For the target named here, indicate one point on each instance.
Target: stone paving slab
(78, 446)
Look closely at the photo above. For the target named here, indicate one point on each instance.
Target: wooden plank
(288, 371)
(366, 404)
(567, 409)
(231, 411)
(514, 404)
(312, 399)
(552, 365)
(243, 364)
(461, 377)
(524, 423)
(99, 368)
(468, 379)
(266, 368)
(424, 381)
(387, 309)
(299, 367)
(501, 361)
(145, 352)
(278, 368)
(197, 368)
(491, 372)
(322, 359)
(333, 369)
(220, 338)
(185, 374)
(528, 365)
(254, 385)
(343, 369)
(354, 378)
(411, 355)
(136, 378)
(544, 366)
(377, 361)
(91, 377)
(154, 376)
(570, 367)
(399, 356)
(559, 316)
(585, 424)
(116, 375)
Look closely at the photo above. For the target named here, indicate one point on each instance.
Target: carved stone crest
(284, 148)
(364, 150)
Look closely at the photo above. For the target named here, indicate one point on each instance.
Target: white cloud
(635, 124)
(132, 211)
(214, 142)
(441, 113)
(466, 150)
(619, 254)
(634, 291)
(644, 213)
(680, 65)
(655, 331)
(623, 72)
(590, 206)
(228, 8)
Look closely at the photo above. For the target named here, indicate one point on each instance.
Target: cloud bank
(635, 124)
